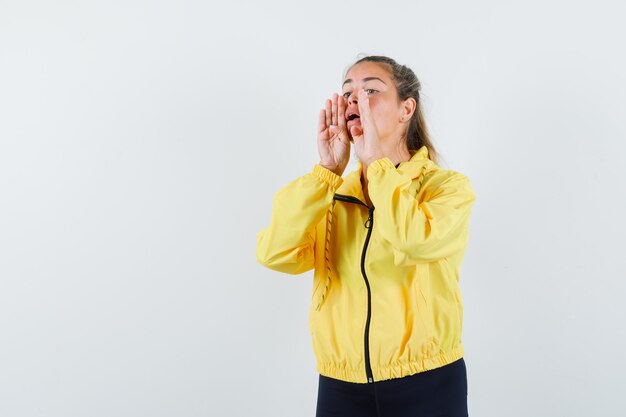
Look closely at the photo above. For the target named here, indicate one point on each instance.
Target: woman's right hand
(333, 142)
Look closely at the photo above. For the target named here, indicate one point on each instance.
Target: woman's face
(390, 115)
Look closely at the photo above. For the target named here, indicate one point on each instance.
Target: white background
(141, 143)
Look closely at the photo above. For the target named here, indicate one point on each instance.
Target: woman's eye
(368, 91)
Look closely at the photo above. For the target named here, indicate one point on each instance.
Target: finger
(349, 134)
(367, 121)
(334, 116)
(341, 113)
(321, 121)
(356, 132)
(328, 113)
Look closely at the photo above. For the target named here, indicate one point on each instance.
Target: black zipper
(368, 225)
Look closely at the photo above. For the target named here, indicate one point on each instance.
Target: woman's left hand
(365, 137)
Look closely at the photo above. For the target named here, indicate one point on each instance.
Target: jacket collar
(351, 185)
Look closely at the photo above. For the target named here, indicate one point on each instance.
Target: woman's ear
(408, 107)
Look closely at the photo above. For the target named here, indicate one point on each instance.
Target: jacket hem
(397, 370)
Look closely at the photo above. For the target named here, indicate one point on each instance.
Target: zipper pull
(368, 222)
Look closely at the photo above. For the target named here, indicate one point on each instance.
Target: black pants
(440, 392)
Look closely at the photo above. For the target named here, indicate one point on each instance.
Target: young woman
(386, 243)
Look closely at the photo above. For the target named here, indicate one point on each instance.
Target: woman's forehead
(366, 71)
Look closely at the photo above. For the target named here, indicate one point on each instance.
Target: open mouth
(353, 119)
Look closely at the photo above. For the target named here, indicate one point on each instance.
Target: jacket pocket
(422, 303)
(455, 290)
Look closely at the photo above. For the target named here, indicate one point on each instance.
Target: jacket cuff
(329, 177)
(379, 165)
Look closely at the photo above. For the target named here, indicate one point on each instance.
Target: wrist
(334, 170)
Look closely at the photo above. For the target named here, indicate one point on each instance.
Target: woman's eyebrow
(349, 80)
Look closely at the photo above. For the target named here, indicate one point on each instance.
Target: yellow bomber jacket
(386, 301)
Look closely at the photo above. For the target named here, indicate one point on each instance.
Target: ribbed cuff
(326, 175)
(379, 165)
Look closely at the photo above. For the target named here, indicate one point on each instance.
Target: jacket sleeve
(288, 243)
(418, 231)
